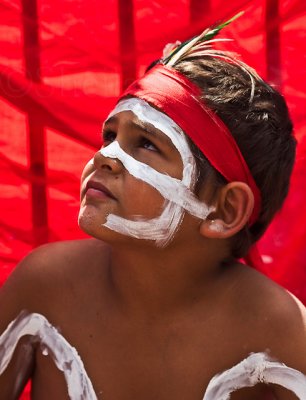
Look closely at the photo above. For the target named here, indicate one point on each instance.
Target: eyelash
(109, 136)
(145, 142)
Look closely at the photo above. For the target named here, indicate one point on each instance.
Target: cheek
(142, 199)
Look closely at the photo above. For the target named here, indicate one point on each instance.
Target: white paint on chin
(178, 193)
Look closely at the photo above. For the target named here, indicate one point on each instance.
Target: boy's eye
(108, 137)
(148, 145)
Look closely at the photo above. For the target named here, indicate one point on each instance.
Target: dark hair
(258, 118)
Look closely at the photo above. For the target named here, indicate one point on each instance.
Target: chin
(89, 224)
(92, 224)
(89, 221)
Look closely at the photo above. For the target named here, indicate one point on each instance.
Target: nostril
(106, 166)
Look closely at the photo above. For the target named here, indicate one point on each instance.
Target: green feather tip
(208, 34)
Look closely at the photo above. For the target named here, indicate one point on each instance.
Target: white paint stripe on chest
(257, 368)
(64, 355)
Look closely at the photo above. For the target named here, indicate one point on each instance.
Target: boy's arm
(17, 294)
(20, 369)
(290, 343)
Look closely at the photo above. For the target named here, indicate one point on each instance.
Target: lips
(96, 189)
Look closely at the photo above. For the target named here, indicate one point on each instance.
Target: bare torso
(135, 357)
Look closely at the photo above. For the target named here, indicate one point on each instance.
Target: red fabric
(62, 66)
(172, 93)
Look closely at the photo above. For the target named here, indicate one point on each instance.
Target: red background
(62, 65)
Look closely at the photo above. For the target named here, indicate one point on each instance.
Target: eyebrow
(143, 126)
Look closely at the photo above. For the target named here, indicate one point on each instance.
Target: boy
(195, 162)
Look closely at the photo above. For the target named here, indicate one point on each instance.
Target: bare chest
(143, 363)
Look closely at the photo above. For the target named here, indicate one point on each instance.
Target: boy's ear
(234, 206)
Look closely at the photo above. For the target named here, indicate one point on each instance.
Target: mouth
(97, 190)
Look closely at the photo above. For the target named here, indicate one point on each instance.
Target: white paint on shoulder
(53, 343)
(257, 368)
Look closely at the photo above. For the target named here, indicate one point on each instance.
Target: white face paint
(256, 368)
(178, 193)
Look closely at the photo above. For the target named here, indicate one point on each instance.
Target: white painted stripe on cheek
(159, 229)
(170, 188)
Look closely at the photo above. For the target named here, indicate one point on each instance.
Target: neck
(149, 281)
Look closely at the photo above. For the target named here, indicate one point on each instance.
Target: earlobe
(234, 206)
(212, 228)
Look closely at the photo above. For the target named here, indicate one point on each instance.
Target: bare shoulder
(273, 319)
(59, 281)
(48, 273)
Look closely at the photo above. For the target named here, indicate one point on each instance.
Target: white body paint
(178, 193)
(216, 226)
(53, 343)
(256, 368)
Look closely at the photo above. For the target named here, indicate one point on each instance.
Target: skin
(152, 323)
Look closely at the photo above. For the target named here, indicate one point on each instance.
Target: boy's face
(147, 171)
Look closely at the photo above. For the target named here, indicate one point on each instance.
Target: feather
(205, 37)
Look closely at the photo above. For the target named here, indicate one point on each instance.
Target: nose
(107, 163)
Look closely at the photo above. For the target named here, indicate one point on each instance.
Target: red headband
(176, 96)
